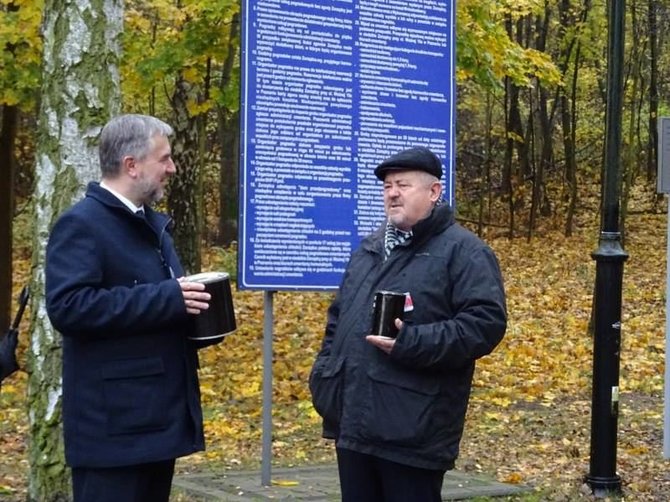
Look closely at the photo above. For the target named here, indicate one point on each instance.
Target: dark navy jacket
(130, 384)
(409, 407)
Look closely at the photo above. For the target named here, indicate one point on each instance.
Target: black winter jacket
(409, 407)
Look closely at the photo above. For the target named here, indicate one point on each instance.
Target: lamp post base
(603, 487)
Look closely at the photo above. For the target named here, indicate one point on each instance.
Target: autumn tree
(652, 27)
(177, 64)
(80, 92)
(500, 61)
(571, 31)
(185, 194)
(228, 126)
(19, 79)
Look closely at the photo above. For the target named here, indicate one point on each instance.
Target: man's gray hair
(427, 179)
(128, 135)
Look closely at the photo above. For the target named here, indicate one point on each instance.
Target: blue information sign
(329, 89)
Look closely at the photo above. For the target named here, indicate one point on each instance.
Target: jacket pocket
(135, 400)
(326, 382)
(401, 407)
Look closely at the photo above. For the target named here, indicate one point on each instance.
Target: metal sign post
(663, 186)
(666, 381)
(268, 322)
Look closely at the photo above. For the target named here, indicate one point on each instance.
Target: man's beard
(151, 193)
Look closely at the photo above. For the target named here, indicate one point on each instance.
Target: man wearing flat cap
(396, 406)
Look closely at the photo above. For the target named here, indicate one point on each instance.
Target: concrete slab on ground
(318, 483)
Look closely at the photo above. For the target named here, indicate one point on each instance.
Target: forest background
(531, 80)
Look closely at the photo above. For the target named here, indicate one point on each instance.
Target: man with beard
(114, 290)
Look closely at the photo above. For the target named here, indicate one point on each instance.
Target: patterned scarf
(392, 237)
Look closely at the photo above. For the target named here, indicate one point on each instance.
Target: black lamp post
(610, 258)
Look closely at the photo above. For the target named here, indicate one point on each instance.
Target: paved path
(318, 483)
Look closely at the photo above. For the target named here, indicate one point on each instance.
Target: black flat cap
(418, 158)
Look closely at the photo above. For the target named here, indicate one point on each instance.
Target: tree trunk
(507, 185)
(7, 175)
(485, 173)
(568, 103)
(652, 156)
(507, 174)
(569, 121)
(229, 139)
(185, 195)
(539, 201)
(515, 119)
(629, 168)
(78, 96)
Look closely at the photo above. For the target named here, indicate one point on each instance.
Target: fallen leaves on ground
(530, 413)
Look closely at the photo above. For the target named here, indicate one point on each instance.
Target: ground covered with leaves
(530, 412)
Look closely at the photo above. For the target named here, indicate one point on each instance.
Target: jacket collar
(440, 218)
(126, 201)
(95, 191)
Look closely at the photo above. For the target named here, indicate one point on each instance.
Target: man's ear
(129, 166)
(435, 191)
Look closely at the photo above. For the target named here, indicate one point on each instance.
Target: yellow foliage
(529, 414)
(514, 478)
(284, 482)
(196, 108)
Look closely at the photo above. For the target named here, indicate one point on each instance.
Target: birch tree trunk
(80, 92)
(185, 195)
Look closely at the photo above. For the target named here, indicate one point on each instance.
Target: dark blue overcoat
(130, 384)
